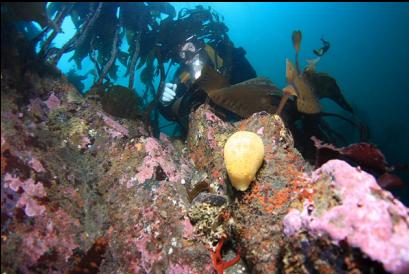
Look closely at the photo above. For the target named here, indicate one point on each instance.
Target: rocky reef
(84, 192)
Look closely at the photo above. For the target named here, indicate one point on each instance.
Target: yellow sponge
(243, 156)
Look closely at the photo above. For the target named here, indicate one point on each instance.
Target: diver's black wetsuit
(236, 69)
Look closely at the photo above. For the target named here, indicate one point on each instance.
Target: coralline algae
(368, 217)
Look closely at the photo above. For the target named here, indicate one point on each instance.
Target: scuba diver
(181, 96)
(320, 52)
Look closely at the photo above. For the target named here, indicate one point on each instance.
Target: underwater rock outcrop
(260, 220)
(83, 191)
(360, 214)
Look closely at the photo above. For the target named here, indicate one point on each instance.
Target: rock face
(84, 191)
(364, 216)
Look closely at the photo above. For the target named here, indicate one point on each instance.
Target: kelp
(153, 39)
(121, 102)
(326, 87)
(307, 100)
(59, 19)
(243, 99)
(76, 80)
(131, 67)
(81, 40)
(107, 25)
(79, 12)
(246, 99)
(109, 64)
(296, 38)
(33, 11)
(310, 86)
(148, 34)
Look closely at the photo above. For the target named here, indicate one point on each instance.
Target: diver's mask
(191, 57)
(187, 52)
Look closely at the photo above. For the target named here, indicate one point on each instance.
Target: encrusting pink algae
(367, 217)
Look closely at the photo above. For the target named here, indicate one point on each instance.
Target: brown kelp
(101, 28)
(35, 11)
(296, 38)
(310, 86)
(326, 87)
(307, 100)
(245, 98)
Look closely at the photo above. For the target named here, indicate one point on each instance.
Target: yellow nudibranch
(243, 156)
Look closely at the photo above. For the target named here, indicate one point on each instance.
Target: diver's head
(190, 55)
(190, 50)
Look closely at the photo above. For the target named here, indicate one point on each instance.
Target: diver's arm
(168, 98)
(168, 94)
(169, 109)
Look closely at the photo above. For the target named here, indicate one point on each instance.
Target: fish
(320, 52)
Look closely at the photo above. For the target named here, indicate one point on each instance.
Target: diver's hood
(191, 56)
(190, 48)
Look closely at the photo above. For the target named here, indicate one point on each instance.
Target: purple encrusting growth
(27, 199)
(53, 102)
(211, 131)
(212, 117)
(52, 230)
(158, 156)
(367, 217)
(36, 165)
(115, 129)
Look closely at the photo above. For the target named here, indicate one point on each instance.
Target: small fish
(323, 49)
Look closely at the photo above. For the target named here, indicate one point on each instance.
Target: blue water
(369, 57)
